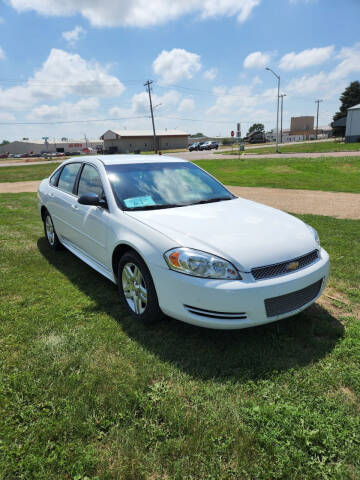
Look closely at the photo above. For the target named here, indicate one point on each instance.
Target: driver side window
(90, 182)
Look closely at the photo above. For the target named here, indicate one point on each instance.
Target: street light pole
(281, 117)
(317, 117)
(277, 111)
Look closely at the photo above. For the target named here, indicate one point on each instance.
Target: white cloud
(62, 74)
(66, 110)
(175, 65)
(333, 82)
(257, 60)
(186, 105)
(7, 117)
(210, 74)
(140, 13)
(306, 58)
(2, 20)
(72, 36)
(2, 54)
(350, 61)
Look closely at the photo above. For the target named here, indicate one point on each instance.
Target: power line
(73, 121)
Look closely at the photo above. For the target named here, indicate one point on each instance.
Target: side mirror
(92, 199)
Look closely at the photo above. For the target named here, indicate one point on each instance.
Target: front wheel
(50, 233)
(136, 288)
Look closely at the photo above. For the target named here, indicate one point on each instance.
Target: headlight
(315, 233)
(200, 264)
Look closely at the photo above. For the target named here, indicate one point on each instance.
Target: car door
(61, 198)
(91, 222)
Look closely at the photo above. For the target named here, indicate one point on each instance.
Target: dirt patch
(19, 187)
(331, 204)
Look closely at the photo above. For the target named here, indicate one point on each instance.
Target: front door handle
(74, 206)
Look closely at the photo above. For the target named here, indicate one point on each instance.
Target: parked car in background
(255, 137)
(209, 145)
(3, 155)
(194, 147)
(177, 242)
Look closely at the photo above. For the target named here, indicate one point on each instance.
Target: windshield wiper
(212, 200)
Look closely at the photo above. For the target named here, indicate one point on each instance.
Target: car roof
(129, 159)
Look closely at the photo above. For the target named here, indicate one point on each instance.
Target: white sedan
(177, 242)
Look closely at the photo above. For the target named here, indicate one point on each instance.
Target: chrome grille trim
(292, 301)
(279, 269)
(214, 314)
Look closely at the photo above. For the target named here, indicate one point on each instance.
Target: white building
(37, 147)
(128, 141)
(352, 132)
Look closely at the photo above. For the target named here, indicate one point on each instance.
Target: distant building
(37, 147)
(303, 126)
(352, 132)
(128, 141)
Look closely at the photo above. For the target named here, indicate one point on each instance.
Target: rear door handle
(51, 195)
(74, 206)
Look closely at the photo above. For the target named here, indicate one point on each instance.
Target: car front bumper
(228, 304)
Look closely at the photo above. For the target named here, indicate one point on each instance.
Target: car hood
(246, 233)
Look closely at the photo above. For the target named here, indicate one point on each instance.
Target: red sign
(232, 133)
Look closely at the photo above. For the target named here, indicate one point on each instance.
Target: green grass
(87, 393)
(329, 174)
(26, 173)
(330, 146)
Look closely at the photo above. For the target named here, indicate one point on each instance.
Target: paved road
(219, 156)
(333, 204)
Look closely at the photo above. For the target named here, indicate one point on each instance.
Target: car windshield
(150, 186)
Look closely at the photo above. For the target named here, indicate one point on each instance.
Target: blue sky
(80, 60)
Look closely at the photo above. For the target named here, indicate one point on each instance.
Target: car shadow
(220, 355)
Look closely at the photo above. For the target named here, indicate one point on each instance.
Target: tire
(50, 233)
(136, 289)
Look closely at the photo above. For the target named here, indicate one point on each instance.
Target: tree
(195, 135)
(349, 98)
(5, 142)
(256, 127)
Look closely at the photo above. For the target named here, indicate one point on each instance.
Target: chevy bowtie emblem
(292, 266)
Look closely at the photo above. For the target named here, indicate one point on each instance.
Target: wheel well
(43, 212)
(118, 253)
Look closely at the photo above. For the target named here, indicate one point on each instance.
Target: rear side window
(55, 177)
(68, 176)
(90, 182)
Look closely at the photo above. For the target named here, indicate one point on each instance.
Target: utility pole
(277, 111)
(281, 117)
(147, 85)
(317, 117)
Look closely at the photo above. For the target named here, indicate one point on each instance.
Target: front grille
(269, 271)
(292, 301)
(213, 314)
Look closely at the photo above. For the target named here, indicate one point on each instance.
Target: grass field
(26, 173)
(328, 174)
(330, 146)
(86, 393)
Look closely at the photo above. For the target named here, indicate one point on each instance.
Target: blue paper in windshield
(139, 201)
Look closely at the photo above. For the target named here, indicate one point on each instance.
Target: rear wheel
(50, 233)
(137, 290)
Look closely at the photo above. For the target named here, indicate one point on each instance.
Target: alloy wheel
(134, 288)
